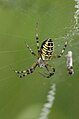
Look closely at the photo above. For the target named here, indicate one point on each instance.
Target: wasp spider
(45, 53)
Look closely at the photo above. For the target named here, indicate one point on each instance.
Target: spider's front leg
(24, 73)
(51, 71)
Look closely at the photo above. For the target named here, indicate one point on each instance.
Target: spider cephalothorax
(45, 53)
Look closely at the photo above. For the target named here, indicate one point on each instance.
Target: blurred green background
(24, 98)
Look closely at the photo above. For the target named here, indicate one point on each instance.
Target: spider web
(71, 31)
(71, 35)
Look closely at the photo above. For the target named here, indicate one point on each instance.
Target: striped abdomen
(47, 48)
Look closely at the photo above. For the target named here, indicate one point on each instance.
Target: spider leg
(50, 73)
(31, 51)
(37, 40)
(24, 73)
(61, 53)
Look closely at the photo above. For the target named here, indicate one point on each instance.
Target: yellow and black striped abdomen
(47, 49)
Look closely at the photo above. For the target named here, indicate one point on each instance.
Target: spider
(45, 53)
